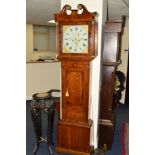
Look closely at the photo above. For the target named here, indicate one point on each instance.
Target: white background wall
(94, 100)
(41, 77)
(124, 57)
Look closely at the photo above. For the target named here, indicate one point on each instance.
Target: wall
(30, 54)
(41, 77)
(124, 57)
(95, 65)
(29, 40)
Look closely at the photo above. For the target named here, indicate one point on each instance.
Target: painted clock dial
(75, 39)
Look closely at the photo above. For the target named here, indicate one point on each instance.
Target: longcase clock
(111, 59)
(76, 46)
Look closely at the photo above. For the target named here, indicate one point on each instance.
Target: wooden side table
(44, 102)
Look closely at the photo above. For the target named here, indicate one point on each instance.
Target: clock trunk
(75, 91)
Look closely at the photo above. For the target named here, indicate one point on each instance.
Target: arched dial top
(81, 14)
(75, 39)
(76, 34)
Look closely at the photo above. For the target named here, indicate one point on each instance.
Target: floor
(122, 115)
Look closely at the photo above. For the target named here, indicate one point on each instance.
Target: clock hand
(83, 39)
(68, 39)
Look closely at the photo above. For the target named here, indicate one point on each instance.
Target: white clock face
(75, 39)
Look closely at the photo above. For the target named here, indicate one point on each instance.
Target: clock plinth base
(62, 150)
(74, 137)
(106, 134)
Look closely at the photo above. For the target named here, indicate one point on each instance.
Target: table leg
(36, 119)
(51, 115)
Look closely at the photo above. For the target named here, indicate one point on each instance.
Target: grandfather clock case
(76, 45)
(110, 61)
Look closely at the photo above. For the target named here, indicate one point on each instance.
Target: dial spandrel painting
(75, 39)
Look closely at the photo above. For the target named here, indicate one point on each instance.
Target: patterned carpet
(121, 117)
